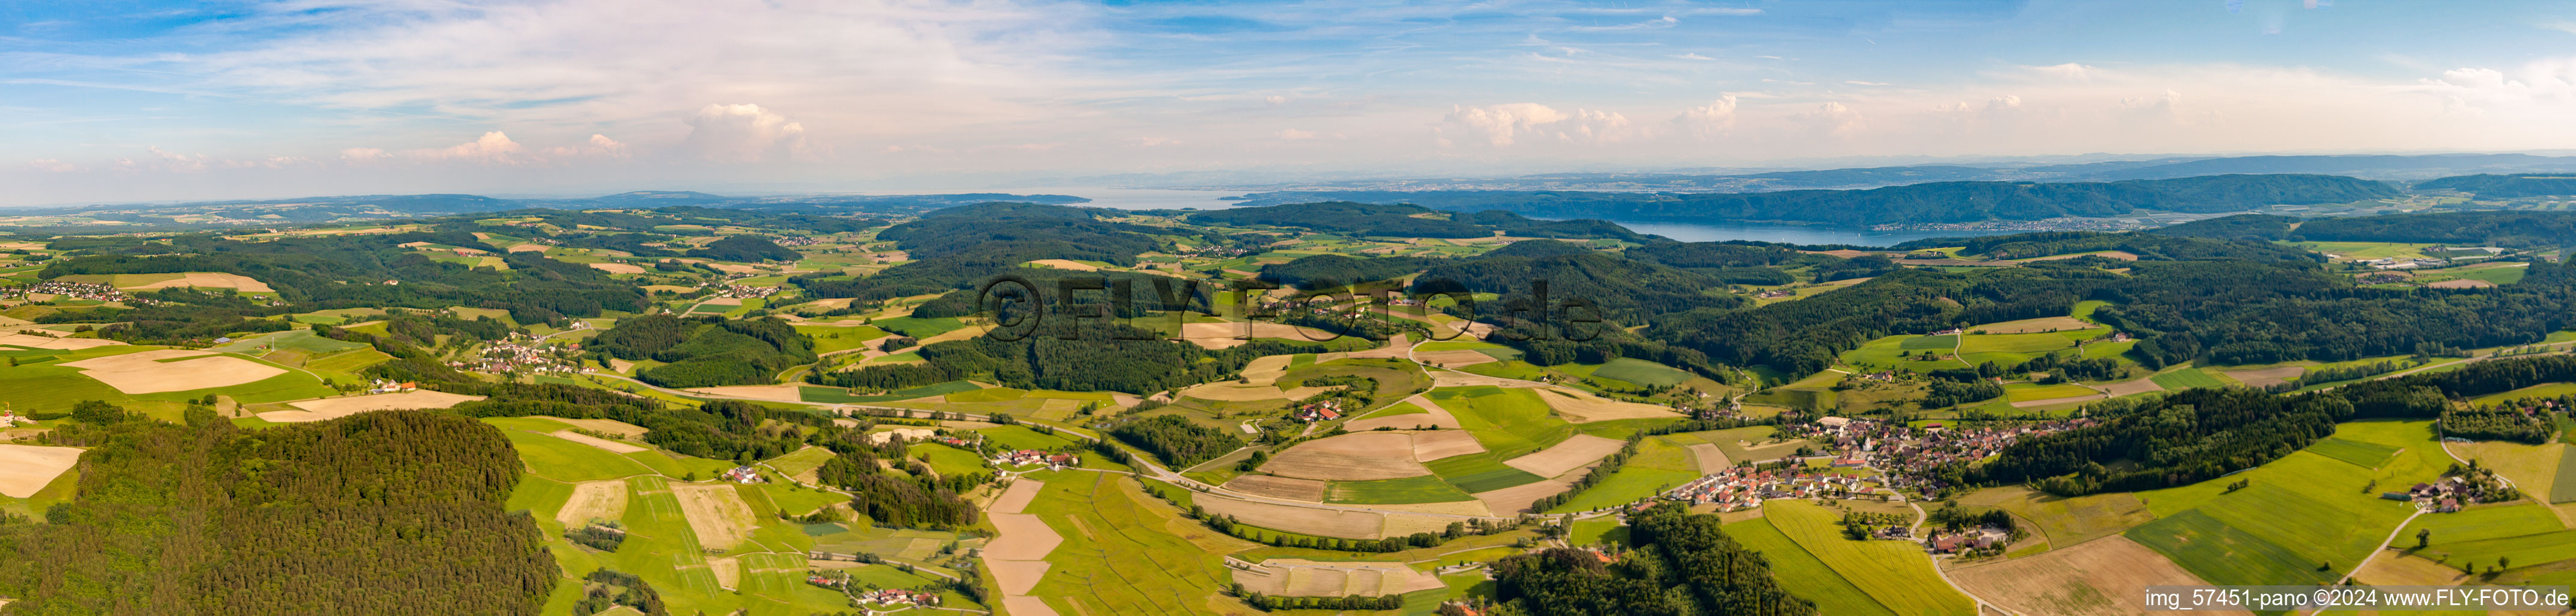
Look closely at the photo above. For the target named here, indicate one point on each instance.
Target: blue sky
(127, 100)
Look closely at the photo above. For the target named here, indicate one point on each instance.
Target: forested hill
(2147, 247)
(1400, 220)
(392, 512)
(2217, 312)
(957, 248)
(2508, 228)
(1937, 202)
(2491, 186)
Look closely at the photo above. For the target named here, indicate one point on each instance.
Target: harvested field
(2057, 401)
(1408, 421)
(1428, 446)
(594, 441)
(1710, 459)
(909, 434)
(1230, 392)
(1395, 348)
(2126, 388)
(1266, 370)
(1582, 407)
(1575, 452)
(1021, 536)
(618, 268)
(2395, 568)
(2463, 283)
(143, 373)
(1279, 487)
(223, 281)
(781, 393)
(716, 513)
(2097, 577)
(602, 426)
(1453, 359)
(1067, 264)
(2027, 326)
(1297, 577)
(603, 500)
(1350, 457)
(2267, 377)
(1222, 335)
(1453, 378)
(728, 572)
(334, 408)
(528, 248)
(1400, 524)
(34, 341)
(1311, 521)
(1515, 499)
(25, 469)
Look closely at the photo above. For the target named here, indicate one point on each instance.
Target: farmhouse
(740, 474)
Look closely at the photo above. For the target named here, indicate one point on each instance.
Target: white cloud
(1294, 134)
(2068, 71)
(1696, 56)
(493, 148)
(744, 133)
(1832, 119)
(1864, 83)
(599, 146)
(1497, 125)
(1706, 121)
(363, 155)
(1508, 124)
(49, 165)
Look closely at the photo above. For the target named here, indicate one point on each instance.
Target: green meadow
(1408, 490)
(1480, 472)
(1661, 463)
(1897, 574)
(1509, 422)
(1800, 571)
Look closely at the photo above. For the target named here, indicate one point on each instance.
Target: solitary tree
(2423, 537)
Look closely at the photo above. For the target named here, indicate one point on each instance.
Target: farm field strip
(1896, 573)
(1799, 570)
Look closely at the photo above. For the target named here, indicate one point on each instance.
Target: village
(57, 290)
(521, 353)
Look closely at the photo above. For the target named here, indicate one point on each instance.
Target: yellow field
(1897, 573)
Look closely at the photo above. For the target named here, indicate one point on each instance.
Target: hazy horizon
(150, 101)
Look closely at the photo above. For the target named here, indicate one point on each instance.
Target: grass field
(41, 387)
(801, 460)
(919, 327)
(947, 461)
(349, 362)
(1423, 489)
(567, 461)
(1021, 437)
(1457, 345)
(1896, 573)
(1120, 555)
(1899, 352)
(1399, 408)
(2367, 455)
(2309, 506)
(2014, 343)
(1642, 372)
(1660, 464)
(1509, 422)
(2546, 390)
(1479, 472)
(1801, 572)
(2022, 392)
(2186, 378)
(833, 395)
(2067, 521)
(830, 339)
(2221, 554)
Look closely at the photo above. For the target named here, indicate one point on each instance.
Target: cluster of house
(77, 290)
(796, 240)
(519, 354)
(740, 474)
(1033, 456)
(1777, 294)
(744, 292)
(899, 596)
(2445, 495)
(1746, 488)
(1985, 537)
(390, 386)
(1327, 410)
(1908, 453)
(11, 418)
(2391, 263)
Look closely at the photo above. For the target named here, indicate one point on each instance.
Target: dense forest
(1935, 202)
(2509, 228)
(384, 513)
(1108, 358)
(706, 351)
(1179, 443)
(1681, 564)
(2491, 186)
(374, 271)
(2148, 247)
(746, 248)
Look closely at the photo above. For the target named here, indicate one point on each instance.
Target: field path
(1982, 603)
(2374, 552)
